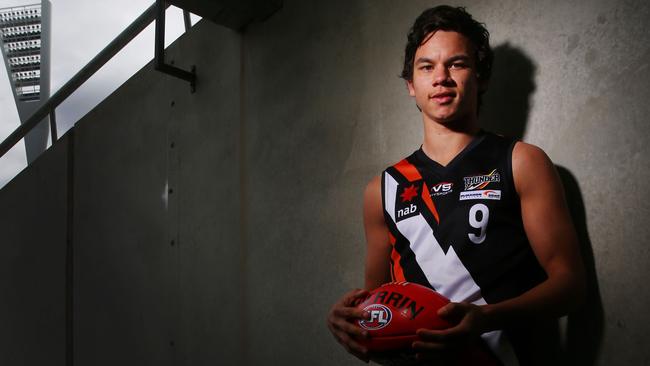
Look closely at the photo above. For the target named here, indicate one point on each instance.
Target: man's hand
(450, 344)
(341, 319)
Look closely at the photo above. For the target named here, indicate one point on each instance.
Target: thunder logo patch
(481, 181)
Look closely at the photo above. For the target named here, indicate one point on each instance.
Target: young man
(479, 218)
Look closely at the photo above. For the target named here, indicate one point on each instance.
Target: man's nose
(440, 76)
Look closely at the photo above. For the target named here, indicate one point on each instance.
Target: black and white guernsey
(458, 228)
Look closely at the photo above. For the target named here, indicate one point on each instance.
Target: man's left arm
(551, 234)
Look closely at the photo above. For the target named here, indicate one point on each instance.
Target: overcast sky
(80, 30)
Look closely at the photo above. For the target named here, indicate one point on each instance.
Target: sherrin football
(397, 310)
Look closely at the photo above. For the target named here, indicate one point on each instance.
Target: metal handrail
(159, 58)
(81, 77)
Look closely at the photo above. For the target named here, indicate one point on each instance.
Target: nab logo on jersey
(442, 189)
(405, 204)
(408, 211)
(380, 317)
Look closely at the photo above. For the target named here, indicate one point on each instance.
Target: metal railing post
(53, 132)
(187, 20)
(159, 61)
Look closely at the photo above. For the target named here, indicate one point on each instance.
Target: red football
(397, 310)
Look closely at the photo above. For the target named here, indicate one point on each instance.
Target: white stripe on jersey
(445, 272)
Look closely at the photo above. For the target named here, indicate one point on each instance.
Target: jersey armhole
(383, 195)
(511, 175)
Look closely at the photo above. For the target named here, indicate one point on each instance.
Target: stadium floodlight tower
(25, 34)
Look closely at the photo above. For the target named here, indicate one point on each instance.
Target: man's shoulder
(372, 196)
(374, 183)
(499, 139)
(524, 154)
(529, 164)
(406, 168)
(406, 159)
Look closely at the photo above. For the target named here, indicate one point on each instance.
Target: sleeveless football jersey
(458, 228)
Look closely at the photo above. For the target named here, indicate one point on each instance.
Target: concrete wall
(33, 269)
(146, 188)
(218, 227)
(157, 213)
(569, 77)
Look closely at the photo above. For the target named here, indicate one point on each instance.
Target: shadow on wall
(584, 330)
(505, 110)
(506, 104)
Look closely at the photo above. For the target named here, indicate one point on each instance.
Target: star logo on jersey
(406, 206)
(409, 193)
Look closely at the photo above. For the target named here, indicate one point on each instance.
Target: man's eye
(426, 67)
(458, 65)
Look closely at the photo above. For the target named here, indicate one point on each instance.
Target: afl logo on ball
(380, 317)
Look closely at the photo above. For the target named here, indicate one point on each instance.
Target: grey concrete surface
(124, 267)
(570, 77)
(33, 237)
(218, 227)
(157, 214)
(205, 172)
(234, 14)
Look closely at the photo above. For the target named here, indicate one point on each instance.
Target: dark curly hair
(449, 18)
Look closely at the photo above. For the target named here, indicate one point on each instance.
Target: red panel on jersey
(408, 170)
(396, 271)
(427, 201)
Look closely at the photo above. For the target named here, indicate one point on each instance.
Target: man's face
(444, 83)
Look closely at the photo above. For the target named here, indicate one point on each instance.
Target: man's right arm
(343, 314)
(378, 247)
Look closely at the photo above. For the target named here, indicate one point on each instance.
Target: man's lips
(444, 97)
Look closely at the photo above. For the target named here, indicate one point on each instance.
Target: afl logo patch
(380, 317)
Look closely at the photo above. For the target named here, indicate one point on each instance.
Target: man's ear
(409, 85)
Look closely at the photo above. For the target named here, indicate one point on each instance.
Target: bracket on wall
(159, 60)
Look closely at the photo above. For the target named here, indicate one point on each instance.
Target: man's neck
(442, 142)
